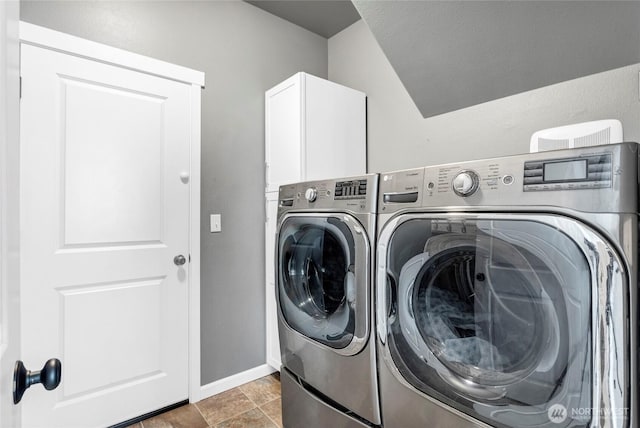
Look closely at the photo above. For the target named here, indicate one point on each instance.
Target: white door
(104, 211)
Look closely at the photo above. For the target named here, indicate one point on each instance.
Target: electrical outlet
(215, 221)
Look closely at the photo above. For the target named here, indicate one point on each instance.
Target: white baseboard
(275, 364)
(232, 381)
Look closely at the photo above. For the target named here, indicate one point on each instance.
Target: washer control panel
(582, 172)
(354, 189)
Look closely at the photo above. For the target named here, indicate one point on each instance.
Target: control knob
(465, 183)
(311, 194)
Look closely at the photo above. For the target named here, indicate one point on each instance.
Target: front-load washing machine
(507, 291)
(324, 271)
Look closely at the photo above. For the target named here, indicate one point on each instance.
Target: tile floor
(253, 405)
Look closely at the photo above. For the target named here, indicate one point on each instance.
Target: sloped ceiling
(323, 17)
(455, 54)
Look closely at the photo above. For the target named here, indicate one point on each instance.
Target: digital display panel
(569, 170)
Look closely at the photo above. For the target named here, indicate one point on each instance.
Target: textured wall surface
(243, 51)
(399, 137)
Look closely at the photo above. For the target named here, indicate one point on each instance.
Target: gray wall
(399, 137)
(243, 51)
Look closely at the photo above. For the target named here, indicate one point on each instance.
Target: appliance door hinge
(266, 176)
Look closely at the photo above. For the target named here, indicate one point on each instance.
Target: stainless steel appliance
(507, 291)
(324, 272)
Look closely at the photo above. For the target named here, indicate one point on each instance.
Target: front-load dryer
(324, 271)
(507, 291)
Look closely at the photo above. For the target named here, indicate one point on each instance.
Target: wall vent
(584, 134)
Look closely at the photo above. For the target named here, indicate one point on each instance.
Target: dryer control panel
(582, 172)
(589, 179)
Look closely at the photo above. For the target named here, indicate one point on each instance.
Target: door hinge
(20, 87)
(266, 176)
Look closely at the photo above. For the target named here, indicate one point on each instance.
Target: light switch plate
(216, 223)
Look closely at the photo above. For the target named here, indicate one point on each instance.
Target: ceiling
(454, 54)
(323, 17)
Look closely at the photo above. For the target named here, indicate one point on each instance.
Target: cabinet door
(283, 133)
(334, 130)
(273, 343)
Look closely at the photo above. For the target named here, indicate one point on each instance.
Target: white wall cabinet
(314, 129)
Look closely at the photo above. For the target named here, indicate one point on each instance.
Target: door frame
(49, 39)
(9, 207)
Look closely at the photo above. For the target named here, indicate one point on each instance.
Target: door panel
(283, 137)
(104, 212)
(93, 313)
(101, 207)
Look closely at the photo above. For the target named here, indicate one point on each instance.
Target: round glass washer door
(479, 325)
(318, 269)
(490, 316)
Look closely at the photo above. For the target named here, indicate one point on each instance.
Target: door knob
(49, 377)
(179, 260)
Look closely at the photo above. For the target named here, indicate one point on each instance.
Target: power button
(507, 179)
